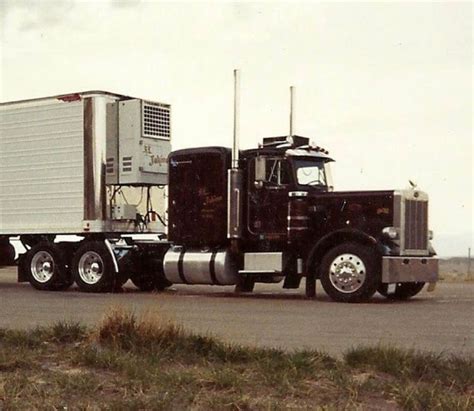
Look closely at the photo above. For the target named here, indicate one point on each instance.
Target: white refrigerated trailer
(89, 164)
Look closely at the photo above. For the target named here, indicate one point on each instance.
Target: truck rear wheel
(93, 268)
(46, 269)
(150, 276)
(403, 291)
(7, 254)
(349, 273)
(246, 284)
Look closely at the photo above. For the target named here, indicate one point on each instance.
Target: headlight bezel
(392, 233)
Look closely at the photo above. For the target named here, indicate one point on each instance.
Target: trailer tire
(403, 291)
(93, 268)
(45, 268)
(349, 273)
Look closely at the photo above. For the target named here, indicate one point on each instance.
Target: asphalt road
(442, 321)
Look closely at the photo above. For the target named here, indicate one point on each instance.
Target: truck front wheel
(46, 269)
(349, 273)
(93, 268)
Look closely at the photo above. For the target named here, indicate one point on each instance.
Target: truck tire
(45, 268)
(151, 276)
(403, 291)
(143, 282)
(93, 268)
(246, 284)
(7, 254)
(349, 273)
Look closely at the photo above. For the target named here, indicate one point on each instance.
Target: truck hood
(368, 211)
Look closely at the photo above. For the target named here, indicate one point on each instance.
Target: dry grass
(455, 269)
(150, 363)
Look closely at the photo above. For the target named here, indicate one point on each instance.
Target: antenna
(235, 145)
(292, 102)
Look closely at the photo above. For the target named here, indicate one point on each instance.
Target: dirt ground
(440, 321)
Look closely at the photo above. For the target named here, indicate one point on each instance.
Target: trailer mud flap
(112, 254)
(22, 272)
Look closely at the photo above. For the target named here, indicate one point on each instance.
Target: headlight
(430, 234)
(390, 232)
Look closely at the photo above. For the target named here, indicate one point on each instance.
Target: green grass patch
(453, 371)
(131, 362)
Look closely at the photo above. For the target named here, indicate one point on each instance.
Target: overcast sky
(385, 87)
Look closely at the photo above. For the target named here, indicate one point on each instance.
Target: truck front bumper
(409, 269)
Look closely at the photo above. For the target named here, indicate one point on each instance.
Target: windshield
(311, 173)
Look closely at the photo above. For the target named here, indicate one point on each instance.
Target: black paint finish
(198, 196)
(198, 205)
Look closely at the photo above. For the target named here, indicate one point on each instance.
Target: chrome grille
(416, 225)
(156, 120)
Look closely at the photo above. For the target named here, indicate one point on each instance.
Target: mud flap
(22, 272)
(310, 286)
(292, 281)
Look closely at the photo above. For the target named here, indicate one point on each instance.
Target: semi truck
(84, 176)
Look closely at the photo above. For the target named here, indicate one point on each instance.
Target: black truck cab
(294, 225)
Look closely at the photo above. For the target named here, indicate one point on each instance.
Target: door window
(277, 171)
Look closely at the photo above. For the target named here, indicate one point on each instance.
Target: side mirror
(260, 169)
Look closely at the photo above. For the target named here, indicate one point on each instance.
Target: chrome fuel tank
(200, 267)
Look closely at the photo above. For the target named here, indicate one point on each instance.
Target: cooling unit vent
(126, 164)
(110, 165)
(156, 120)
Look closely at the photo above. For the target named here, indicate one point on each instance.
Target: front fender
(330, 240)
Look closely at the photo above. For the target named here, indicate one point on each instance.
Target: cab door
(268, 197)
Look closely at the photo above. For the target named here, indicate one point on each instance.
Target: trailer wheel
(45, 267)
(93, 268)
(403, 291)
(349, 273)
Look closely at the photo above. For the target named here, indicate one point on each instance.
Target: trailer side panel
(41, 167)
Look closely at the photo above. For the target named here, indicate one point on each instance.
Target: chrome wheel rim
(91, 267)
(347, 273)
(42, 267)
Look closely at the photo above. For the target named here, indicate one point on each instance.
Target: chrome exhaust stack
(234, 176)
